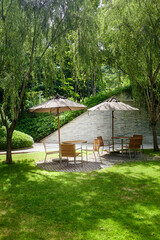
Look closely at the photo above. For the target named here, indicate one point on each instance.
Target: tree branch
(4, 16)
(156, 72)
(8, 7)
(2, 117)
(54, 37)
(28, 73)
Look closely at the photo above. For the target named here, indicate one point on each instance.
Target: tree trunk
(94, 84)
(88, 88)
(155, 140)
(8, 150)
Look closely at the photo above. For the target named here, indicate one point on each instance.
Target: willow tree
(132, 44)
(85, 49)
(28, 30)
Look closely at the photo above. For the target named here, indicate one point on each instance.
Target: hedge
(19, 140)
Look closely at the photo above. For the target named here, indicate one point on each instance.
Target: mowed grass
(121, 202)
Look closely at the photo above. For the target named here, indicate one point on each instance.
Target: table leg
(81, 153)
(122, 145)
(112, 144)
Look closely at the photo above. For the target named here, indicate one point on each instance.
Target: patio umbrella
(57, 105)
(112, 104)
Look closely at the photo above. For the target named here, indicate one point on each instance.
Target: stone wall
(99, 123)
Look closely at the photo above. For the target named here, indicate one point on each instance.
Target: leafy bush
(19, 140)
(37, 125)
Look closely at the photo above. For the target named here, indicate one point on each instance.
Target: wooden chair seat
(68, 151)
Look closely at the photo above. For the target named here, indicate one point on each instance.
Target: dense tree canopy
(28, 30)
(132, 44)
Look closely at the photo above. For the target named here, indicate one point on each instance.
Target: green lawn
(121, 202)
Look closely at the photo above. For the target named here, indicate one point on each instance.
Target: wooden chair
(134, 145)
(48, 151)
(103, 144)
(68, 150)
(94, 149)
(140, 137)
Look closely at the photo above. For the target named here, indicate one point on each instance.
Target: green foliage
(102, 96)
(131, 43)
(37, 125)
(152, 153)
(19, 140)
(28, 30)
(1, 124)
(32, 98)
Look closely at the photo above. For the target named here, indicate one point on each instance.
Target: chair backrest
(96, 144)
(139, 137)
(135, 143)
(101, 140)
(67, 150)
(45, 147)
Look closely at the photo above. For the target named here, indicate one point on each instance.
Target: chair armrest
(78, 148)
(107, 142)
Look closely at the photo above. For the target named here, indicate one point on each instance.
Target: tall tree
(85, 48)
(28, 30)
(132, 44)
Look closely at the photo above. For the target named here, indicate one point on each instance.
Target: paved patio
(108, 160)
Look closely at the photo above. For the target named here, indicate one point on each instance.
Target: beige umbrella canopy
(57, 105)
(112, 104)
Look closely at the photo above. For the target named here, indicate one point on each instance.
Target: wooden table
(75, 142)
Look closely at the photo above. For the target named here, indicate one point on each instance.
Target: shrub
(19, 139)
(37, 125)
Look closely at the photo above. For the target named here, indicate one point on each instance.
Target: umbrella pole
(59, 140)
(113, 131)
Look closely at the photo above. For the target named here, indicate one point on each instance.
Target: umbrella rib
(69, 108)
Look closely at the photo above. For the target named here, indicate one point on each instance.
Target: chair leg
(81, 153)
(45, 158)
(86, 154)
(82, 162)
(67, 161)
(102, 149)
(99, 157)
(95, 156)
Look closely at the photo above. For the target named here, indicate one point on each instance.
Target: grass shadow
(121, 202)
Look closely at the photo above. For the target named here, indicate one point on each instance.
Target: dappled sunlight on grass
(151, 152)
(121, 202)
(38, 156)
